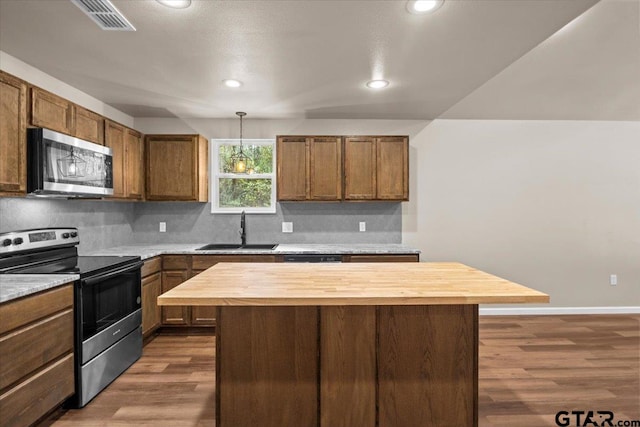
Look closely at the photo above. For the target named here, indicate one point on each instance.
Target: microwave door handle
(102, 277)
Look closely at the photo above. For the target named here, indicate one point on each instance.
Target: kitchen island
(347, 344)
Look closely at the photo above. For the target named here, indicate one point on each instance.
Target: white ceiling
(471, 59)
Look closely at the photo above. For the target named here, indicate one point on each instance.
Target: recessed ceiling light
(176, 4)
(232, 83)
(377, 84)
(423, 6)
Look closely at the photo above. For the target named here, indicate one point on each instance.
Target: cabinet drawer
(19, 312)
(202, 262)
(27, 349)
(33, 398)
(151, 266)
(175, 262)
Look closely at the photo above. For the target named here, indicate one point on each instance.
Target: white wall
(34, 76)
(554, 205)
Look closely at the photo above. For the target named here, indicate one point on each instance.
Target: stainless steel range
(108, 315)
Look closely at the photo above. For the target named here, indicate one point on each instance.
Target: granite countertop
(14, 286)
(151, 250)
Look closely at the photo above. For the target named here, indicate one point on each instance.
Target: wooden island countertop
(293, 284)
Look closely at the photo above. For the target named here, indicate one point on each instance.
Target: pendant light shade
(241, 161)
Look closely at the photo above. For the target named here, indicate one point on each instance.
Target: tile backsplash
(104, 224)
(101, 224)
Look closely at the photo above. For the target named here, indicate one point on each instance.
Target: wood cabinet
(176, 167)
(351, 168)
(36, 349)
(114, 139)
(56, 113)
(51, 111)
(13, 136)
(151, 289)
(128, 165)
(175, 270)
(133, 165)
(376, 168)
(88, 125)
(309, 168)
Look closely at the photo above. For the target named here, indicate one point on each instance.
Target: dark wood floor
(531, 367)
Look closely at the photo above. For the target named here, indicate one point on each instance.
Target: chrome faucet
(243, 230)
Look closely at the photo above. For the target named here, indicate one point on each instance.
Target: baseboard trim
(515, 311)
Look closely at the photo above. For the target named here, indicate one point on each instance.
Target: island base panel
(267, 366)
(387, 366)
(427, 365)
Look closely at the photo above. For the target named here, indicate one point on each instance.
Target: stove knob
(74, 234)
(6, 242)
(17, 241)
(65, 235)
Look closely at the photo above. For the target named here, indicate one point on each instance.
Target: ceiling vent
(105, 14)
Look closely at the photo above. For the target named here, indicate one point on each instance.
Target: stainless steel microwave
(60, 165)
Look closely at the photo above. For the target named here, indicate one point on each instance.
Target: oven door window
(108, 301)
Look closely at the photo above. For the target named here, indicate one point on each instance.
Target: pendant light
(239, 159)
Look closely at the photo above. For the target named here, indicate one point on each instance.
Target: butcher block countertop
(427, 283)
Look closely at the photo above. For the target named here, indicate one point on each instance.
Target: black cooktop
(62, 261)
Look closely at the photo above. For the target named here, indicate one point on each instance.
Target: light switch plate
(163, 227)
(287, 227)
(363, 226)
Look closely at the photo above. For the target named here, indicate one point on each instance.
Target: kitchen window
(252, 191)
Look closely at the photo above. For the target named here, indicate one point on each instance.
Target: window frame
(216, 175)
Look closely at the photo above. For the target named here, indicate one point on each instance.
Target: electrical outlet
(363, 226)
(287, 227)
(613, 279)
(163, 227)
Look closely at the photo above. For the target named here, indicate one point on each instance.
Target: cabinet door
(174, 315)
(173, 167)
(89, 125)
(114, 139)
(360, 168)
(392, 178)
(292, 167)
(13, 135)
(325, 171)
(134, 184)
(201, 315)
(51, 111)
(151, 290)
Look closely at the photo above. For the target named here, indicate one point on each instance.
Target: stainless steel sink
(235, 246)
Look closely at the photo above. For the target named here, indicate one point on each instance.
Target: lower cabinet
(36, 354)
(160, 274)
(151, 289)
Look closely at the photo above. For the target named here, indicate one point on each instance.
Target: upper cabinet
(134, 164)
(309, 168)
(89, 125)
(114, 139)
(51, 111)
(13, 135)
(376, 168)
(176, 167)
(127, 147)
(343, 168)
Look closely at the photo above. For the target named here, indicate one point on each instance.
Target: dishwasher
(312, 258)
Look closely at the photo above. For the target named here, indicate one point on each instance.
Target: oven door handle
(96, 279)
